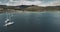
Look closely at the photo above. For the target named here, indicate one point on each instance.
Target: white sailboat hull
(10, 23)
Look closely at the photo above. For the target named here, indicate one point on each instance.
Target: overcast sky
(30, 2)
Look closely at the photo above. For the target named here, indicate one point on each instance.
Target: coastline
(18, 11)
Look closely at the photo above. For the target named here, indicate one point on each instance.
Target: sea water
(32, 22)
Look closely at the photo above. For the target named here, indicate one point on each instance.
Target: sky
(30, 2)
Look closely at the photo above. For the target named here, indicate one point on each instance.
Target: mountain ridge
(29, 8)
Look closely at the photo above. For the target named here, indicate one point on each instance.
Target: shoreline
(26, 11)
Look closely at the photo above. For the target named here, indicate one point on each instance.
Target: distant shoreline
(28, 11)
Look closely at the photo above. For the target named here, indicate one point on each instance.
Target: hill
(29, 8)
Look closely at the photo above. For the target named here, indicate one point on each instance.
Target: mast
(8, 20)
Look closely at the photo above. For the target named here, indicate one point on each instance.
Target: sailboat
(8, 20)
(10, 23)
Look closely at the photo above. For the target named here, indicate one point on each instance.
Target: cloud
(54, 3)
(21, 2)
(30, 2)
(0, 2)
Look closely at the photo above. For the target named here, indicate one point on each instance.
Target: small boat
(10, 23)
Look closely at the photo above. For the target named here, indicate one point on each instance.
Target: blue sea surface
(32, 22)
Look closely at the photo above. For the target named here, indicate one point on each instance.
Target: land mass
(28, 8)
